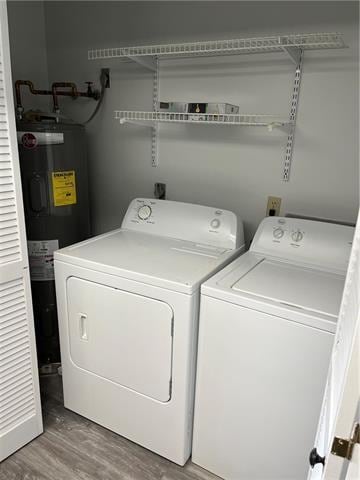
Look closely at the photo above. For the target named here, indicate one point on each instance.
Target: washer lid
(305, 288)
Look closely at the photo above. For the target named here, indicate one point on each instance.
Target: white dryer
(267, 324)
(128, 305)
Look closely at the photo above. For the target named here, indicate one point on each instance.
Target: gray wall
(28, 48)
(229, 167)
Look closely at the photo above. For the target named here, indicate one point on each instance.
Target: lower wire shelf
(150, 119)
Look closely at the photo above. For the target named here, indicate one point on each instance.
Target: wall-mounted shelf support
(155, 128)
(148, 62)
(294, 53)
(292, 118)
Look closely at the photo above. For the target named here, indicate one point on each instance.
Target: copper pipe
(55, 93)
(74, 93)
(19, 83)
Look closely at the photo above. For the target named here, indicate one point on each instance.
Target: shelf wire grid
(251, 120)
(276, 43)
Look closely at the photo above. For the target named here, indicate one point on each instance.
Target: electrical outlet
(273, 207)
(160, 191)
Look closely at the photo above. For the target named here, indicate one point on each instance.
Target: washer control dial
(278, 232)
(144, 212)
(297, 236)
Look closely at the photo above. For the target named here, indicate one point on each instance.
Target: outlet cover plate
(273, 206)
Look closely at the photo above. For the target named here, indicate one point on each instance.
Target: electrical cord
(103, 80)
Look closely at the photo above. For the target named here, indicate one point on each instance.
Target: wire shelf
(276, 43)
(152, 118)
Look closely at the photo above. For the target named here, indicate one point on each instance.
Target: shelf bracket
(139, 123)
(293, 115)
(155, 129)
(294, 53)
(145, 61)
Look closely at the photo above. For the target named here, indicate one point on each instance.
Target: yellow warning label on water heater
(64, 188)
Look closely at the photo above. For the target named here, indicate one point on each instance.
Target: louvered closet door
(20, 410)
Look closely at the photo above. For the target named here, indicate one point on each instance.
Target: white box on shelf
(173, 107)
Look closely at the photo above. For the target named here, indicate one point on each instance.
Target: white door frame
(340, 409)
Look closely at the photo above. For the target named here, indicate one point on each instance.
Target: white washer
(128, 316)
(267, 324)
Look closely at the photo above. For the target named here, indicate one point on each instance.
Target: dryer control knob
(144, 212)
(278, 232)
(215, 223)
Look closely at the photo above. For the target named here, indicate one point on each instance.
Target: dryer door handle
(83, 327)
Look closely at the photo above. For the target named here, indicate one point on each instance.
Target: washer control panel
(307, 241)
(185, 221)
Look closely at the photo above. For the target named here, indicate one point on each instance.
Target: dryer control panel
(311, 242)
(185, 221)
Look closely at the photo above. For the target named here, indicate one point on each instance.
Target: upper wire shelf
(275, 43)
(151, 118)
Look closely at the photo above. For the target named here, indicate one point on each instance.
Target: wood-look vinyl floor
(74, 448)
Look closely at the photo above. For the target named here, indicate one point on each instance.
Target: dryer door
(123, 337)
